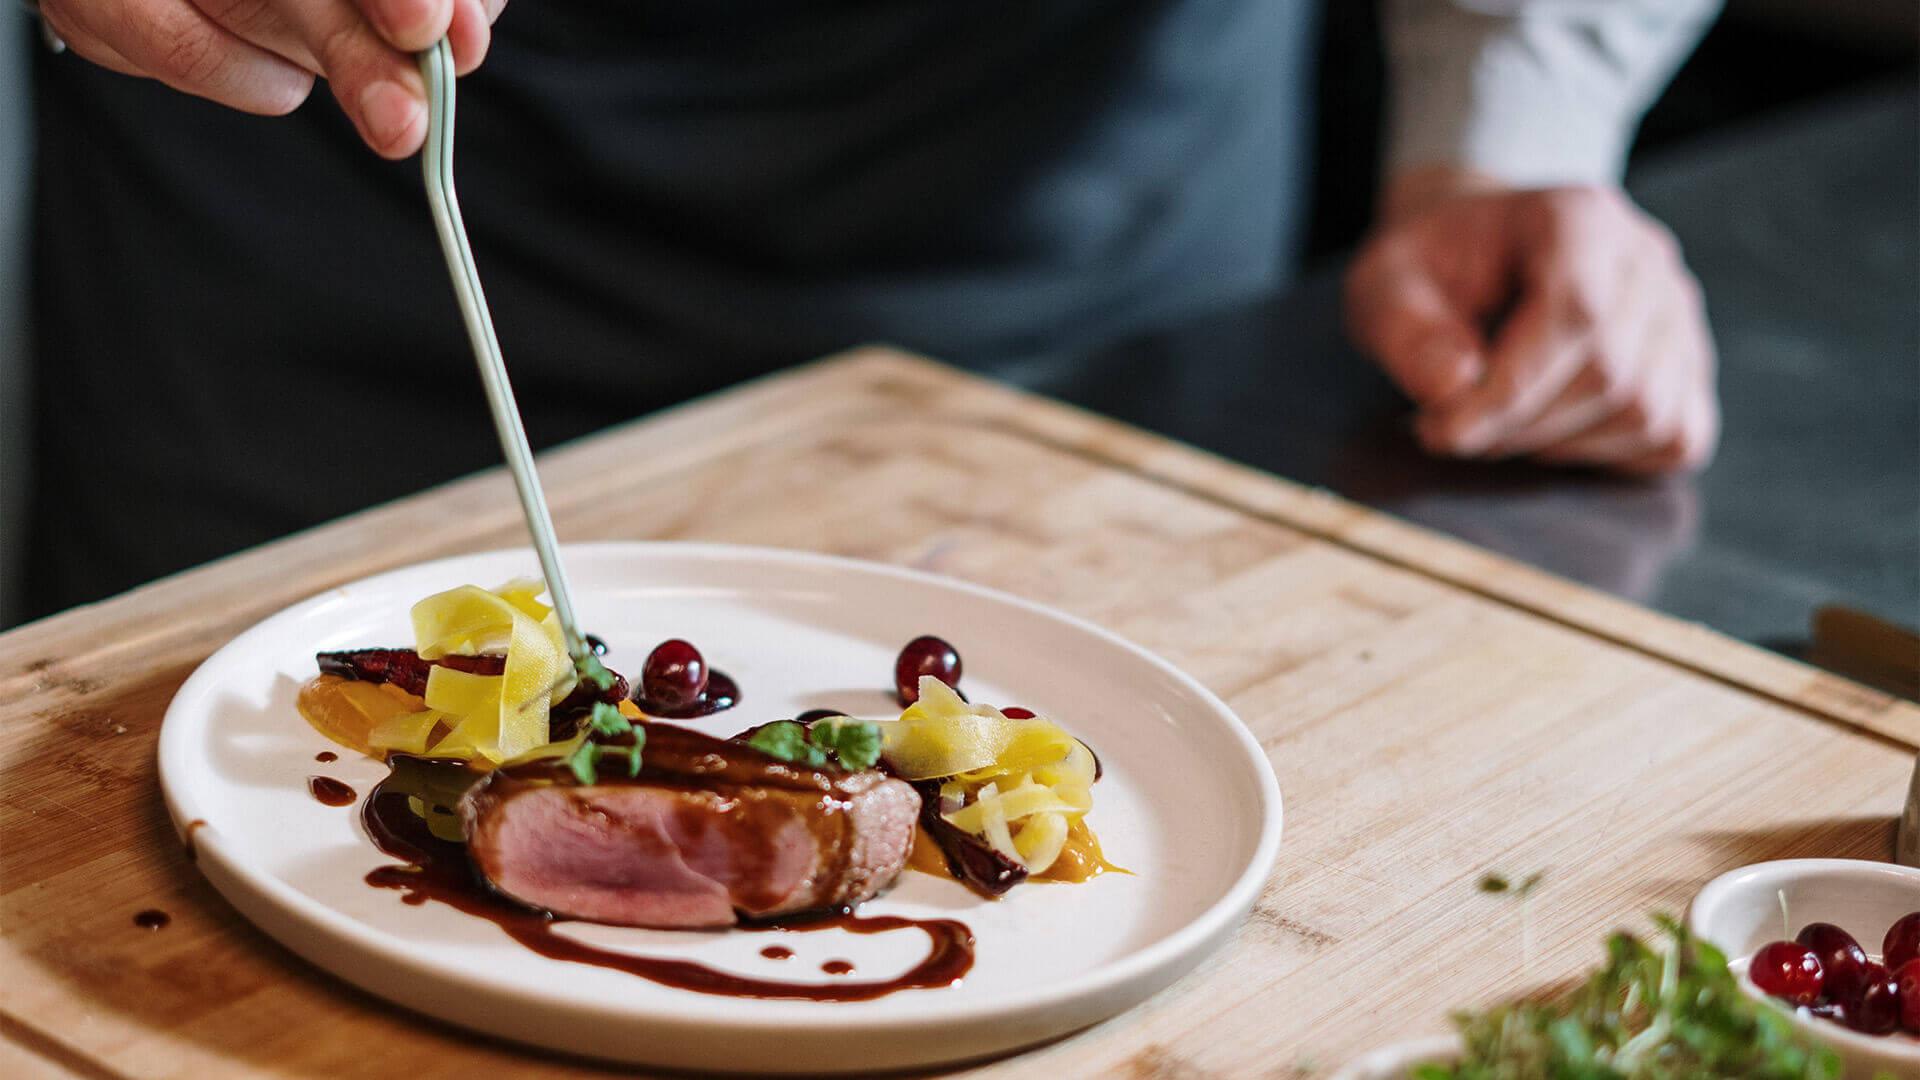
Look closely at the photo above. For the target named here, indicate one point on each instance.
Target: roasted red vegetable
(404, 669)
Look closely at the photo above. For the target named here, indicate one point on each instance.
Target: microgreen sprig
(854, 743)
(1650, 1012)
(607, 722)
(589, 668)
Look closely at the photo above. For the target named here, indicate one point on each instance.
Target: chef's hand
(261, 56)
(1557, 324)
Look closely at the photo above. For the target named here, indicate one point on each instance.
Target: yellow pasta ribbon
(498, 716)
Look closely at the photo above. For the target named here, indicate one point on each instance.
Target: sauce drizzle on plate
(330, 791)
(437, 869)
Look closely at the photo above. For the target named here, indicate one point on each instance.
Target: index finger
(1397, 312)
(1536, 354)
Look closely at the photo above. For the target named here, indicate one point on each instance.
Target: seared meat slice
(710, 831)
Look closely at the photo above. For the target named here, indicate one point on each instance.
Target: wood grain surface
(1434, 713)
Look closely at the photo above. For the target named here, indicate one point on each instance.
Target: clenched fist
(262, 56)
(1557, 324)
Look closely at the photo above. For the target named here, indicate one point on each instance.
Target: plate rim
(1189, 941)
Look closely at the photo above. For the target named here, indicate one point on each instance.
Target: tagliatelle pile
(504, 715)
(1019, 783)
(486, 719)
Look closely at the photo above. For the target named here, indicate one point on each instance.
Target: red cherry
(1909, 979)
(675, 675)
(1829, 1010)
(925, 655)
(1787, 970)
(1842, 960)
(1873, 972)
(1902, 942)
(1877, 1008)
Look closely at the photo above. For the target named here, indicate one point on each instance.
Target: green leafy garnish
(633, 752)
(586, 758)
(855, 744)
(605, 720)
(787, 740)
(590, 669)
(1648, 1014)
(585, 762)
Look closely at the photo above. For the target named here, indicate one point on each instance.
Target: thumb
(1397, 312)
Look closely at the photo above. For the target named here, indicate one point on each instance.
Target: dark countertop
(1802, 228)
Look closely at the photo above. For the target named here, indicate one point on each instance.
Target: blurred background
(1785, 155)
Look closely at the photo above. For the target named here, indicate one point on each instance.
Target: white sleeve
(1532, 92)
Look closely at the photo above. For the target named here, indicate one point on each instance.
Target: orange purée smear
(1080, 860)
(345, 710)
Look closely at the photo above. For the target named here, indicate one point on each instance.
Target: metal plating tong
(436, 64)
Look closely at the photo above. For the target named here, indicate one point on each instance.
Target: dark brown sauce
(331, 791)
(777, 952)
(325, 756)
(811, 715)
(680, 756)
(152, 919)
(722, 693)
(186, 840)
(836, 967)
(440, 870)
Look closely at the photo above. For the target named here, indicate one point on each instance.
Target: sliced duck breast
(711, 831)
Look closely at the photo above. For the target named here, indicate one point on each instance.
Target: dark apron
(244, 327)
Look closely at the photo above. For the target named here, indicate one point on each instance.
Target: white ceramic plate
(1188, 801)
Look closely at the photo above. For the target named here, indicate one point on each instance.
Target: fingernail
(1455, 361)
(1441, 433)
(408, 21)
(389, 112)
(1440, 354)
(1474, 438)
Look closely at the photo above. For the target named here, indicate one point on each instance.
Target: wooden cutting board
(1435, 714)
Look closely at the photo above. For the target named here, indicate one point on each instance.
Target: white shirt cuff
(1531, 92)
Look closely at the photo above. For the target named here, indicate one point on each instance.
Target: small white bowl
(1739, 911)
(1395, 1061)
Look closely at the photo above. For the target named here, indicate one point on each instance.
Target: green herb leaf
(855, 742)
(585, 762)
(1493, 883)
(590, 669)
(1647, 1014)
(787, 741)
(633, 752)
(586, 758)
(607, 720)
